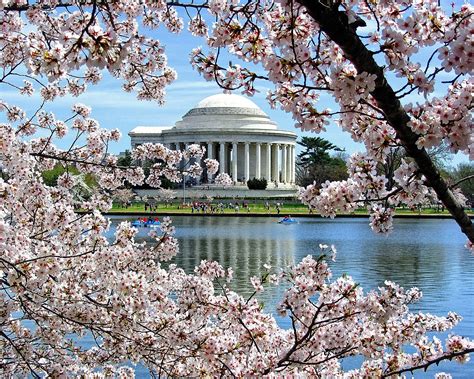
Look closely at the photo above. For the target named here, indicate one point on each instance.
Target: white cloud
(177, 94)
(191, 85)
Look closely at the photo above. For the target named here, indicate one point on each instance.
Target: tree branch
(340, 32)
(424, 366)
(461, 180)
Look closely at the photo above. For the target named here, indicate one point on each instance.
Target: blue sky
(114, 108)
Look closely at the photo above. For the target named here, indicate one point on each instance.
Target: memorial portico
(237, 133)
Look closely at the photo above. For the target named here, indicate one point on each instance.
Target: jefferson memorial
(236, 132)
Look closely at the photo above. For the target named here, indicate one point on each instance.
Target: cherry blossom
(223, 179)
(62, 279)
(212, 165)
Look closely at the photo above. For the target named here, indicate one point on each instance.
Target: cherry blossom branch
(74, 160)
(461, 181)
(227, 367)
(55, 256)
(250, 334)
(329, 356)
(186, 5)
(20, 353)
(424, 366)
(299, 342)
(25, 7)
(453, 80)
(340, 32)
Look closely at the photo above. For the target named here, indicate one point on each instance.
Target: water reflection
(428, 254)
(235, 243)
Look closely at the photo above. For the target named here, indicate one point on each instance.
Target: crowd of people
(210, 207)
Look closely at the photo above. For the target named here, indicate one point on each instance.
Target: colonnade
(274, 162)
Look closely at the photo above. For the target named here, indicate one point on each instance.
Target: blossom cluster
(366, 186)
(363, 186)
(88, 41)
(211, 165)
(447, 119)
(223, 179)
(413, 192)
(381, 219)
(173, 164)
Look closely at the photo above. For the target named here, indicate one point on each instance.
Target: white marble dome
(223, 100)
(226, 111)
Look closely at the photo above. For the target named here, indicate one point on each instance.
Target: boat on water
(144, 223)
(287, 220)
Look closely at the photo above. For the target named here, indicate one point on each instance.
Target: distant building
(237, 133)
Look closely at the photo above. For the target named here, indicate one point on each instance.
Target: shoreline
(273, 215)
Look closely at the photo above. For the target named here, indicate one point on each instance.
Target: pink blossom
(223, 179)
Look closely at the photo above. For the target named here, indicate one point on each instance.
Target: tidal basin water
(428, 254)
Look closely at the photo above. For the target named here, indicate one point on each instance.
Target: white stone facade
(237, 133)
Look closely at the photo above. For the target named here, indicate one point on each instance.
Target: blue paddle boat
(144, 223)
(287, 220)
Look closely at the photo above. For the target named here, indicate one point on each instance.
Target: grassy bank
(258, 208)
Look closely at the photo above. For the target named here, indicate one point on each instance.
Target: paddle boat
(146, 222)
(287, 220)
(137, 223)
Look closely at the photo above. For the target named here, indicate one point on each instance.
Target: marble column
(292, 164)
(275, 163)
(222, 158)
(210, 155)
(288, 163)
(210, 150)
(284, 166)
(289, 167)
(234, 162)
(199, 161)
(268, 167)
(247, 162)
(182, 147)
(258, 161)
(228, 158)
